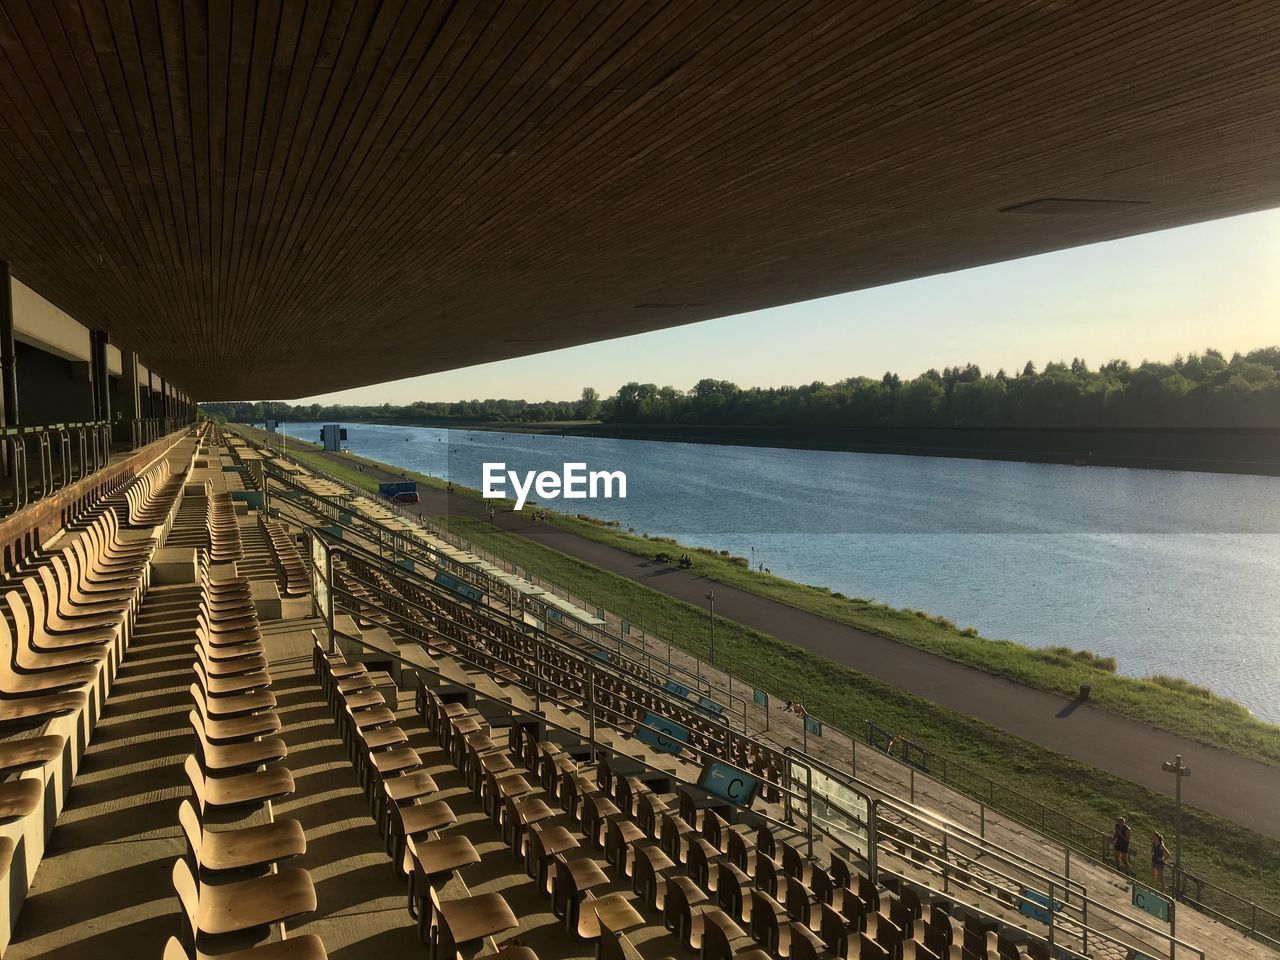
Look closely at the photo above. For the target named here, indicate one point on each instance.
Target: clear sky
(1213, 284)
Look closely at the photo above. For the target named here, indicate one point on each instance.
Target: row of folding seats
(510, 654)
(230, 886)
(150, 500)
(65, 621)
(294, 579)
(224, 529)
(405, 803)
(789, 905)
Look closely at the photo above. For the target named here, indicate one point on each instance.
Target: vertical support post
(328, 576)
(873, 838)
(591, 710)
(8, 350)
(808, 805)
(1052, 913)
(1179, 772)
(946, 866)
(101, 379)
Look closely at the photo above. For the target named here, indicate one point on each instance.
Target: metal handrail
(416, 549)
(328, 615)
(591, 665)
(988, 852)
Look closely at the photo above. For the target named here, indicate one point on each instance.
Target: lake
(1168, 572)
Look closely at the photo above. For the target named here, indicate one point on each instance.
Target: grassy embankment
(1219, 851)
(1165, 702)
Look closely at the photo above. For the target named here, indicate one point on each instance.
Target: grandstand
(407, 755)
(248, 712)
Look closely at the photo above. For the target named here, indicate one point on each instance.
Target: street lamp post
(1179, 772)
(711, 598)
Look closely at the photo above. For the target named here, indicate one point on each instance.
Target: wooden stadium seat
(238, 756)
(231, 661)
(233, 729)
(543, 844)
(236, 792)
(455, 923)
(17, 756)
(86, 626)
(215, 910)
(25, 672)
(245, 848)
(613, 911)
(20, 798)
(305, 947)
(218, 688)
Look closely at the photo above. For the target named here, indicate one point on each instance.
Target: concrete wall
(39, 323)
(51, 389)
(53, 350)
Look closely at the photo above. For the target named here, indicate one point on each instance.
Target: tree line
(1200, 390)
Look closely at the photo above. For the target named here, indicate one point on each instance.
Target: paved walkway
(1222, 783)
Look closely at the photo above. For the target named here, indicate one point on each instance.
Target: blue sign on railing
(762, 698)
(1156, 904)
(252, 497)
(664, 735)
(813, 725)
(457, 586)
(707, 705)
(626, 627)
(1036, 905)
(601, 655)
(335, 532)
(405, 562)
(727, 782)
(678, 688)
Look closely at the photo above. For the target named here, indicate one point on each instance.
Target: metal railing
(415, 550)
(973, 863)
(38, 461)
(332, 597)
(890, 830)
(41, 460)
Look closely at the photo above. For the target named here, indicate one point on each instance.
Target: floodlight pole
(711, 598)
(1179, 771)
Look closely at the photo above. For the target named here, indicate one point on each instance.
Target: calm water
(1168, 572)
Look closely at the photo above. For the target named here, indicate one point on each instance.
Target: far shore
(1243, 450)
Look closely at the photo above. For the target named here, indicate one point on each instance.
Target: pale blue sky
(1149, 297)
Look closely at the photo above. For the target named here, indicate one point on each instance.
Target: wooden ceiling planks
(281, 198)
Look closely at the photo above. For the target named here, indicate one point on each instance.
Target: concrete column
(8, 350)
(99, 376)
(132, 408)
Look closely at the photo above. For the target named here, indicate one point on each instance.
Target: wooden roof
(274, 199)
